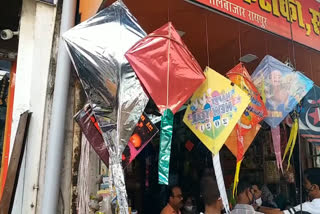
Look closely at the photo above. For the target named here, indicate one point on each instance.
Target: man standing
(175, 201)
(245, 198)
(312, 187)
(211, 196)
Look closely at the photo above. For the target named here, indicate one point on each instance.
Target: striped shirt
(244, 209)
(309, 207)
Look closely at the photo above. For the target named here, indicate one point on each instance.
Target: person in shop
(312, 189)
(263, 196)
(175, 201)
(261, 203)
(211, 196)
(189, 206)
(245, 198)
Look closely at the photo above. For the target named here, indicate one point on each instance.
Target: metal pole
(57, 122)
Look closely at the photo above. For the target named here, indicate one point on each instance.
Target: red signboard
(275, 16)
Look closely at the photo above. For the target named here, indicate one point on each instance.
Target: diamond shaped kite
(253, 114)
(170, 74)
(215, 109)
(97, 47)
(282, 89)
(310, 116)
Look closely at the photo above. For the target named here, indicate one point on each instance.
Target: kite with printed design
(170, 74)
(310, 116)
(309, 120)
(248, 123)
(216, 106)
(215, 109)
(282, 88)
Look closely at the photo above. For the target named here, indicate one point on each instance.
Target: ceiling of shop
(9, 19)
(227, 39)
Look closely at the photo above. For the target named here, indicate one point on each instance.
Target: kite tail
(240, 153)
(236, 178)
(295, 132)
(276, 145)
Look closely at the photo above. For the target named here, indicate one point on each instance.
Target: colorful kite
(283, 89)
(247, 140)
(90, 128)
(309, 120)
(215, 109)
(144, 131)
(310, 116)
(254, 113)
(97, 47)
(170, 74)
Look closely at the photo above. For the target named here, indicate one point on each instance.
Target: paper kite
(282, 88)
(91, 130)
(97, 47)
(170, 74)
(215, 109)
(310, 116)
(254, 113)
(247, 140)
(144, 131)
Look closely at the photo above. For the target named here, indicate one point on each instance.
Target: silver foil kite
(97, 47)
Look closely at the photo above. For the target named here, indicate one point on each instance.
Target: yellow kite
(215, 109)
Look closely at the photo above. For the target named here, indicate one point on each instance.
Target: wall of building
(36, 65)
(34, 52)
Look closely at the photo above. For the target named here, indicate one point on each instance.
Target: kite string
(169, 46)
(312, 77)
(168, 68)
(266, 44)
(299, 140)
(168, 10)
(207, 38)
(240, 47)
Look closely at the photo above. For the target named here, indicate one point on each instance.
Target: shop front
(260, 35)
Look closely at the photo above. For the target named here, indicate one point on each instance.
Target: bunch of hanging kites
(112, 57)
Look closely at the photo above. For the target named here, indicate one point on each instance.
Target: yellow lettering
(284, 9)
(266, 6)
(296, 12)
(275, 8)
(315, 20)
(249, 1)
(308, 29)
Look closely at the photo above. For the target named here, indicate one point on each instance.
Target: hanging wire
(266, 45)
(300, 157)
(311, 67)
(240, 47)
(207, 38)
(298, 111)
(168, 2)
(168, 66)
(292, 42)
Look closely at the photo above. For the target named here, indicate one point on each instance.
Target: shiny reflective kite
(170, 74)
(97, 47)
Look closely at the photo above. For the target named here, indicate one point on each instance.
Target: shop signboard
(275, 16)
